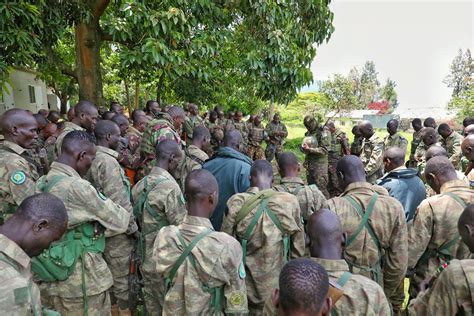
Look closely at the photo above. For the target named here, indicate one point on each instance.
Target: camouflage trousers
(98, 305)
(317, 173)
(255, 152)
(273, 150)
(334, 187)
(117, 255)
(153, 288)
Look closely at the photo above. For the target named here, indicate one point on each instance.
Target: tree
(338, 95)
(369, 83)
(387, 92)
(461, 73)
(464, 103)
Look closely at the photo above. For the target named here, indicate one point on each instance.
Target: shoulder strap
(252, 202)
(365, 217)
(456, 198)
(46, 186)
(344, 278)
(186, 252)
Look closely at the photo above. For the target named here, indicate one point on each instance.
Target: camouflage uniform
(414, 145)
(193, 160)
(157, 130)
(49, 146)
(68, 127)
(20, 295)
(265, 251)
(164, 206)
(108, 177)
(275, 142)
(372, 158)
(256, 136)
(395, 140)
(38, 157)
(316, 160)
(84, 204)
(129, 157)
(17, 178)
(190, 123)
(470, 177)
(388, 223)
(451, 293)
(362, 296)
(452, 144)
(217, 133)
(338, 148)
(214, 263)
(242, 128)
(433, 227)
(356, 146)
(309, 197)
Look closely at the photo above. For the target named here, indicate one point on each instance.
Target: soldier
(268, 224)
(116, 107)
(315, 146)
(451, 290)
(277, 133)
(433, 235)
(250, 121)
(428, 139)
(416, 124)
(230, 118)
(468, 151)
(71, 114)
(85, 118)
(220, 116)
(54, 117)
(158, 203)
(216, 129)
(17, 172)
(303, 289)
(91, 217)
(37, 154)
(372, 152)
(376, 246)
(451, 141)
(339, 147)
(107, 177)
(203, 268)
(241, 126)
(394, 139)
(151, 108)
(130, 156)
(356, 146)
(163, 126)
(50, 135)
(257, 135)
(195, 154)
(469, 130)
(39, 220)
(309, 197)
(191, 121)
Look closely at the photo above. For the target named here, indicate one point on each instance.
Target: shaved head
(438, 171)
(366, 129)
(467, 147)
(201, 132)
(105, 128)
(166, 148)
(466, 226)
(287, 163)
(350, 169)
(428, 135)
(326, 235)
(430, 122)
(232, 139)
(85, 115)
(78, 151)
(41, 121)
(261, 167)
(20, 127)
(435, 151)
(176, 111)
(50, 130)
(199, 182)
(393, 157)
(469, 130)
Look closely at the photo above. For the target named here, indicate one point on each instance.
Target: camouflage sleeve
(168, 199)
(269, 130)
(285, 131)
(233, 205)
(111, 216)
(318, 199)
(420, 232)
(188, 127)
(456, 153)
(345, 144)
(20, 181)
(419, 152)
(376, 159)
(297, 249)
(396, 254)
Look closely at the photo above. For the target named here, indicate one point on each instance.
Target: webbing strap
(251, 227)
(344, 278)
(456, 198)
(252, 202)
(364, 222)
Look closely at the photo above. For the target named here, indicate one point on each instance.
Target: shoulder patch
(237, 299)
(101, 195)
(18, 177)
(242, 273)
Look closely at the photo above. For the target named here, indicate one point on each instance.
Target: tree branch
(98, 8)
(65, 69)
(108, 38)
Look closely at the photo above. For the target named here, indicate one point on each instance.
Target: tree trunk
(271, 110)
(137, 94)
(127, 94)
(64, 98)
(88, 54)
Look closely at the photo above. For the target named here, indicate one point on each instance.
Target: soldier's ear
(81, 155)
(40, 225)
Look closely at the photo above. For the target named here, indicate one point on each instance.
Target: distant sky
(412, 42)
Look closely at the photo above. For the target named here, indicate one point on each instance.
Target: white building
(26, 91)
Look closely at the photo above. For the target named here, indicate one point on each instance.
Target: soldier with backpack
(376, 245)
(203, 268)
(268, 225)
(158, 202)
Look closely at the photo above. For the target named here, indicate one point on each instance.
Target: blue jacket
(232, 170)
(406, 187)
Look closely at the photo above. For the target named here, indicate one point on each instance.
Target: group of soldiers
(108, 210)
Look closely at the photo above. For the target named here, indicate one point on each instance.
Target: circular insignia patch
(237, 299)
(242, 273)
(101, 195)
(18, 177)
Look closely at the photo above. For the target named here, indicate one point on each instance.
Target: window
(31, 90)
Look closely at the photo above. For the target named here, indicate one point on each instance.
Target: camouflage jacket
(157, 130)
(421, 151)
(108, 177)
(452, 144)
(217, 263)
(309, 197)
(17, 177)
(451, 293)
(356, 146)
(129, 157)
(372, 155)
(319, 145)
(415, 142)
(257, 135)
(190, 123)
(68, 127)
(395, 140)
(265, 246)
(434, 225)
(20, 295)
(388, 223)
(84, 204)
(193, 160)
(217, 132)
(339, 145)
(242, 128)
(271, 128)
